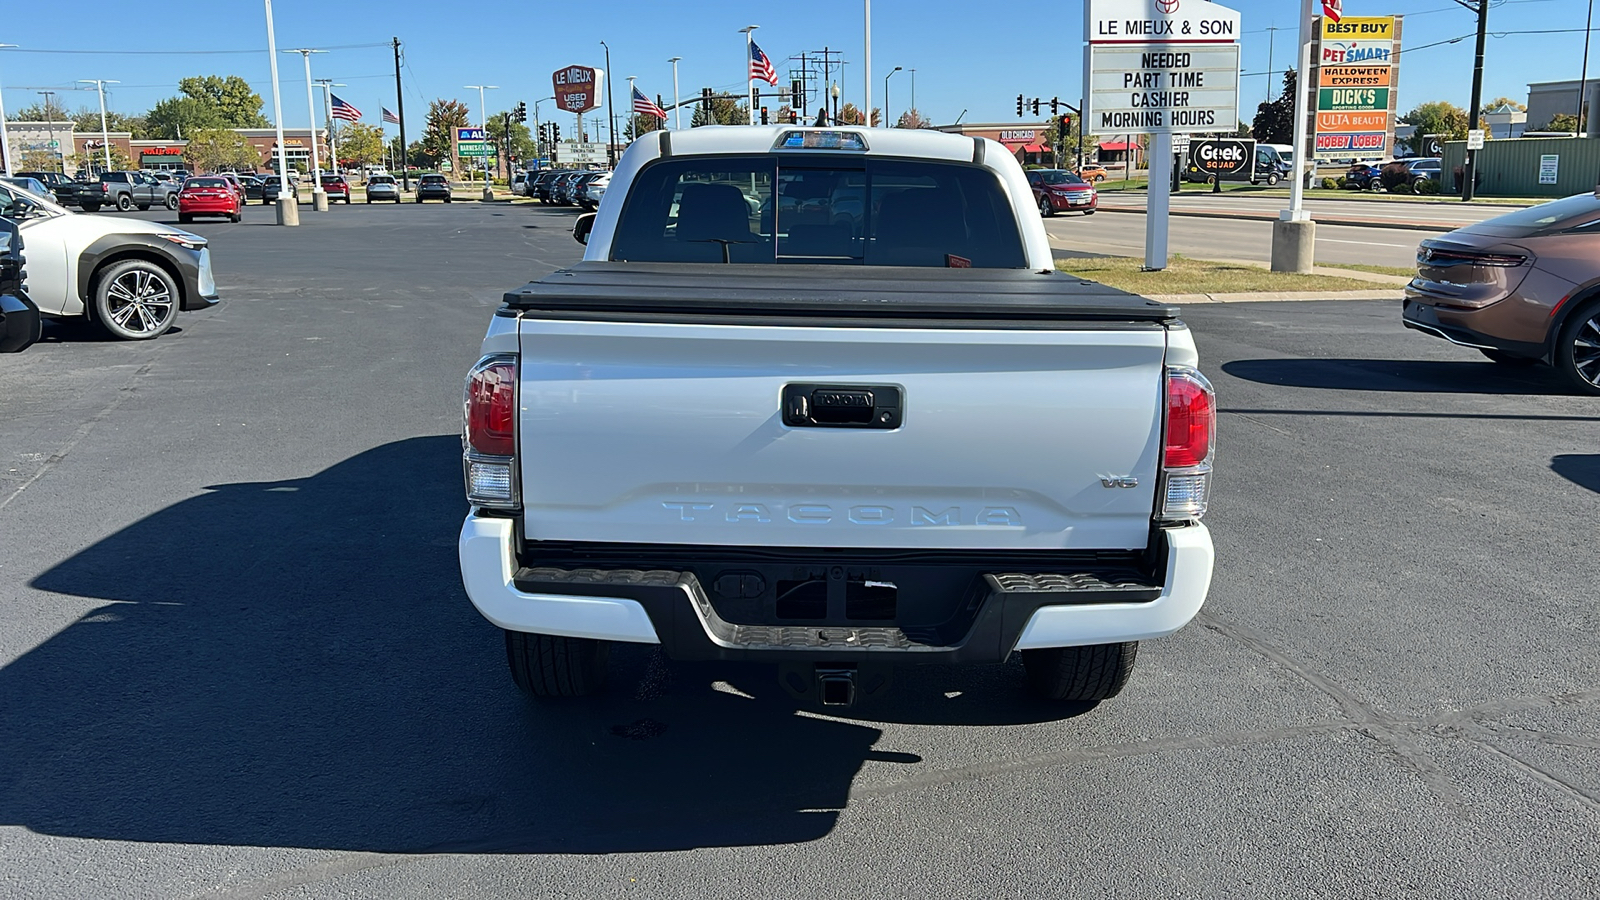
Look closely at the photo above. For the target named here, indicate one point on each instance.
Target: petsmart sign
(1162, 66)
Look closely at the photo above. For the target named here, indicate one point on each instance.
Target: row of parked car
(563, 187)
(1364, 176)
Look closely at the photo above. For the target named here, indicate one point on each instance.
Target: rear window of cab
(825, 209)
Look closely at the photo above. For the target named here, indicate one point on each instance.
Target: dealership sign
(577, 88)
(1356, 62)
(1162, 66)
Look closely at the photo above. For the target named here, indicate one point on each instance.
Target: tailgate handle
(841, 406)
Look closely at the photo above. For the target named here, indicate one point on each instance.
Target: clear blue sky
(967, 56)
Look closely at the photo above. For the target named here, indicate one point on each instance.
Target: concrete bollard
(288, 211)
(1294, 245)
(319, 200)
(488, 193)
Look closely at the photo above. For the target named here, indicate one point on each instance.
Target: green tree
(360, 144)
(1274, 121)
(38, 161)
(49, 111)
(1440, 119)
(215, 149)
(521, 144)
(1562, 122)
(725, 110)
(87, 121)
(230, 98)
(912, 119)
(176, 118)
(642, 124)
(438, 131)
(850, 115)
(1499, 102)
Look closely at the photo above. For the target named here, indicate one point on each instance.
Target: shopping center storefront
(1026, 140)
(159, 156)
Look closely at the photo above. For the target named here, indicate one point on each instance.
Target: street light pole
(1583, 79)
(913, 90)
(835, 91)
(5, 137)
(50, 120)
(327, 85)
(885, 98)
(483, 126)
(677, 110)
(611, 114)
(319, 197)
(105, 134)
(288, 204)
(866, 65)
(750, 83)
(538, 131)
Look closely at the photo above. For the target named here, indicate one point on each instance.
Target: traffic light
(797, 95)
(1036, 106)
(1066, 124)
(764, 115)
(1019, 106)
(522, 112)
(1055, 105)
(555, 133)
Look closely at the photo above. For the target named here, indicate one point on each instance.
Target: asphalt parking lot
(236, 659)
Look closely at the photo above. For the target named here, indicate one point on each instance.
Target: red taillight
(492, 407)
(1191, 419)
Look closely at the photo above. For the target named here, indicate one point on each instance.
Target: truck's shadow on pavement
(294, 664)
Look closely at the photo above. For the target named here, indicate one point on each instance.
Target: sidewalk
(1411, 215)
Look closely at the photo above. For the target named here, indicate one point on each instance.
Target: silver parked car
(382, 187)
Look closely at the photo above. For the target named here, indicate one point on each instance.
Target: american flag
(343, 110)
(761, 67)
(644, 107)
(389, 116)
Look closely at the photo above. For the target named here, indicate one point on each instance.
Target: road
(1122, 234)
(236, 660)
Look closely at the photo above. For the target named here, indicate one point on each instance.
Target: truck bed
(820, 293)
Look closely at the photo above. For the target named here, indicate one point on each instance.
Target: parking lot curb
(1274, 297)
(1272, 217)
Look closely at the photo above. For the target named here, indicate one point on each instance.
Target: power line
(172, 52)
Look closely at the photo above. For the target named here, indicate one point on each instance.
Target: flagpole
(750, 79)
(631, 112)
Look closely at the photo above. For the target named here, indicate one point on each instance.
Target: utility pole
(50, 118)
(400, 113)
(611, 114)
(1469, 171)
(1583, 79)
(866, 64)
(105, 135)
(483, 126)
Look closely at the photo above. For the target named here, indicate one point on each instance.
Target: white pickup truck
(819, 397)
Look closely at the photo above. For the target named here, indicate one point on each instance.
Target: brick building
(83, 149)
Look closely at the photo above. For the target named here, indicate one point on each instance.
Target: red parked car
(336, 188)
(208, 195)
(236, 183)
(1057, 190)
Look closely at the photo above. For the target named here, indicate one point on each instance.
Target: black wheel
(346, 199)
(1272, 178)
(143, 207)
(172, 201)
(397, 198)
(124, 202)
(1504, 358)
(419, 199)
(1045, 209)
(135, 300)
(543, 665)
(369, 199)
(237, 217)
(448, 199)
(1089, 212)
(1080, 674)
(184, 218)
(1578, 349)
(91, 207)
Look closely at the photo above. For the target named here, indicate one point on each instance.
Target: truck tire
(544, 665)
(91, 207)
(172, 201)
(124, 202)
(1080, 674)
(1272, 178)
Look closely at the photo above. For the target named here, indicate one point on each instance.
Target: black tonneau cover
(697, 289)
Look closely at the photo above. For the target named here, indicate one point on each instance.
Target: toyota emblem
(1167, 7)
